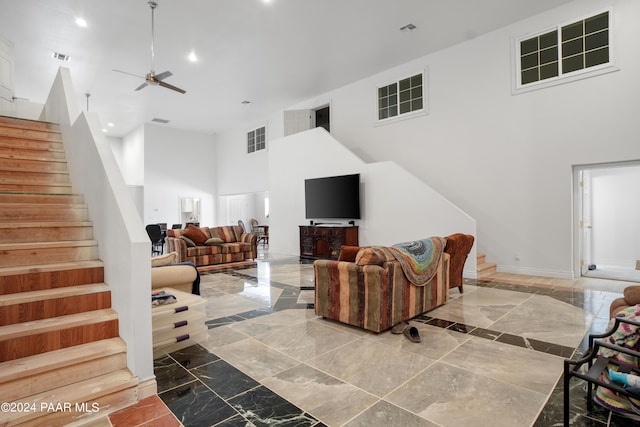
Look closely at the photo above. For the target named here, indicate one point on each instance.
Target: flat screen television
(332, 197)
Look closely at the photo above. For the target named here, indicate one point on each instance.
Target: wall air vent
(157, 120)
(61, 56)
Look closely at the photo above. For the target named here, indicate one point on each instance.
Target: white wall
(132, 162)
(178, 164)
(396, 206)
(615, 194)
(504, 159)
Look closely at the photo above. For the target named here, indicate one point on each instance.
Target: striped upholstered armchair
(374, 293)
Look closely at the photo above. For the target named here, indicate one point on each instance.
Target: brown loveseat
(372, 291)
(205, 246)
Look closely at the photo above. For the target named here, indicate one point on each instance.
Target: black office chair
(155, 235)
(176, 226)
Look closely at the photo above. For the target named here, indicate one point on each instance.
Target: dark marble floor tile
(193, 356)
(195, 405)
(440, 323)
(237, 421)
(485, 333)
(263, 407)
(582, 412)
(224, 379)
(550, 348)
(255, 313)
(621, 421)
(461, 327)
(285, 303)
(513, 340)
(423, 318)
(170, 374)
(220, 321)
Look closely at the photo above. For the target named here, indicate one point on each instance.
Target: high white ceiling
(273, 54)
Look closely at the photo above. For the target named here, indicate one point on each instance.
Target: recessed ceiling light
(110, 124)
(61, 56)
(193, 57)
(80, 22)
(104, 130)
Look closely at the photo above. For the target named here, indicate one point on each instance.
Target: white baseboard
(558, 274)
(147, 388)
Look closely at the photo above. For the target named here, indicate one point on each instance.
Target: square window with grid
(401, 97)
(569, 48)
(256, 140)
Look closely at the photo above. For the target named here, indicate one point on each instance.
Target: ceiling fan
(152, 78)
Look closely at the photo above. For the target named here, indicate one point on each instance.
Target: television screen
(333, 197)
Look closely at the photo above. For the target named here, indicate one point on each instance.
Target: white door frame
(582, 234)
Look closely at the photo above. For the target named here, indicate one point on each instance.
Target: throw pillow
(214, 241)
(370, 256)
(195, 234)
(190, 243)
(348, 253)
(166, 259)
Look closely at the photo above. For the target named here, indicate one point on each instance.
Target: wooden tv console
(325, 241)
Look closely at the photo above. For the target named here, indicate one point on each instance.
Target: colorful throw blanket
(419, 259)
(625, 336)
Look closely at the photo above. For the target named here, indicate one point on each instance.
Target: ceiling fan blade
(142, 86)
(130, 74)
(168, 86)
(164, 75)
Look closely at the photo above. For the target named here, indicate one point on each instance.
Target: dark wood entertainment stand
(325, 241)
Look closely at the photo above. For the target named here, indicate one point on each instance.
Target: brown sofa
(631, 297)
(458, 247)
(372, 292)
(204, 246)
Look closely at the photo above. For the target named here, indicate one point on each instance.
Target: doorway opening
(606, 228)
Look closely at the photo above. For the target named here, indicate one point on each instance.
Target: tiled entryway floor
(491, 356)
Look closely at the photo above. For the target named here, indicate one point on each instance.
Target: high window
(568, 50)
(401, 97)
(256, 139)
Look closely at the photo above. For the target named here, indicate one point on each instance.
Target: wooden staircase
(61, 359)
(484, 268)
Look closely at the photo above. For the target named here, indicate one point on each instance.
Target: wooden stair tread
(35, 198)
(40, 268)
(486, 266)
(54, 293)
(33, 365)
(45, 224)
(46, 245)
(34, 327)
(29, 124)
(84, 391)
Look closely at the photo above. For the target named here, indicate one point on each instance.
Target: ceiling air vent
(157, 120)
(61, 56)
